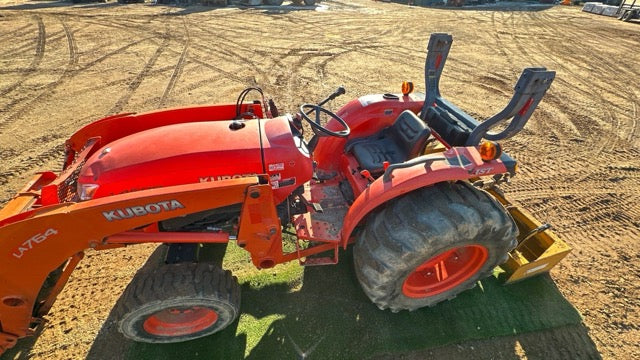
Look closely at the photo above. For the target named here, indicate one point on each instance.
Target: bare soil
(64, 65)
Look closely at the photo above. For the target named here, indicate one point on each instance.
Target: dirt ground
(64, 65)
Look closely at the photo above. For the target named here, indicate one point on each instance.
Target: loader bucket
(538, 249)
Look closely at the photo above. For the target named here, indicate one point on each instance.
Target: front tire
(431, 244)
(178, 302)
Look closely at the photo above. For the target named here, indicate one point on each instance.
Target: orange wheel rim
(180, 321)
(445, 271)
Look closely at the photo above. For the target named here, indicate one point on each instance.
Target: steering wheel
(315, 125)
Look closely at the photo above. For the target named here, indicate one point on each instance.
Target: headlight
(86, 191)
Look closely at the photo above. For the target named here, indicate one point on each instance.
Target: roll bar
(528, 91)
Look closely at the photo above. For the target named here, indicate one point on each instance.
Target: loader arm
(37, 241)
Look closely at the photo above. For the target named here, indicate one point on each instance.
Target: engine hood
(175, 154)
(199, 152)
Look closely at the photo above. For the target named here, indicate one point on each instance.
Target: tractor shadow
(331, 318)
(325, 315)
(22, 350)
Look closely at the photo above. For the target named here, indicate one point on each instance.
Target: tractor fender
(455, 164)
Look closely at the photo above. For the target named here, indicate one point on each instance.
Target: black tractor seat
(403, 140)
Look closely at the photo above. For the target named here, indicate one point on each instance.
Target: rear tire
(273, 2)
(310, 2)
(431, 244)
(178, 302)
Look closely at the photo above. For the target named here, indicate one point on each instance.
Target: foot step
(320, 261)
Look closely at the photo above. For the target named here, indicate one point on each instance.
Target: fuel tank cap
(237, 125)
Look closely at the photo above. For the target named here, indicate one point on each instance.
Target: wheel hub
(180, 321)
(445, 271)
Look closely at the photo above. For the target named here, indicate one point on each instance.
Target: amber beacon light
(407, 88)
(490, 150)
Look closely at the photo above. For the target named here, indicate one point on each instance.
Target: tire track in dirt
(148, 27)
(574, 170)
(133, 86)
(521, 53)
(534, 190)
(37, 58)
(225, 54)
(225, 46)
(73, 60)
(73, 47)
(573, 48)
(209, 82)
(374, 49)
(634, 134)
(499, 43)
(119, 82)
(8, 154)
(578, 174)
(47, 90)
(613, 194)
(229, 49)
(26, 48)
(516, 37)
(110, 54)
(20, 70)
(179, 66)
(316, 60)
(53, 148)
(40, 70)
(226, 76)
(614, 71)
(16, 32)
(29, 163)
(24, 45)
(247, 31)
(328, 51)
(115, 25)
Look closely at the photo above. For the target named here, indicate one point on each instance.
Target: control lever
(339, 91)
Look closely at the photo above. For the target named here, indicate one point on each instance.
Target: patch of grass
(321, 312)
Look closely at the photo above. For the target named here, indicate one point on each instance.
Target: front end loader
(409, 179)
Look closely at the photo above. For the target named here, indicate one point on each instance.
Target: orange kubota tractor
(408, 179)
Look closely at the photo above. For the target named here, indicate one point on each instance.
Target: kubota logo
(225, 177)
(152, 208)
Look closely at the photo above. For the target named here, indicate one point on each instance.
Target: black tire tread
(417, 223)
(169, 281)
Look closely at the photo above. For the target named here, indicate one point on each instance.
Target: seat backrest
(453, 131)
(410, 133)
